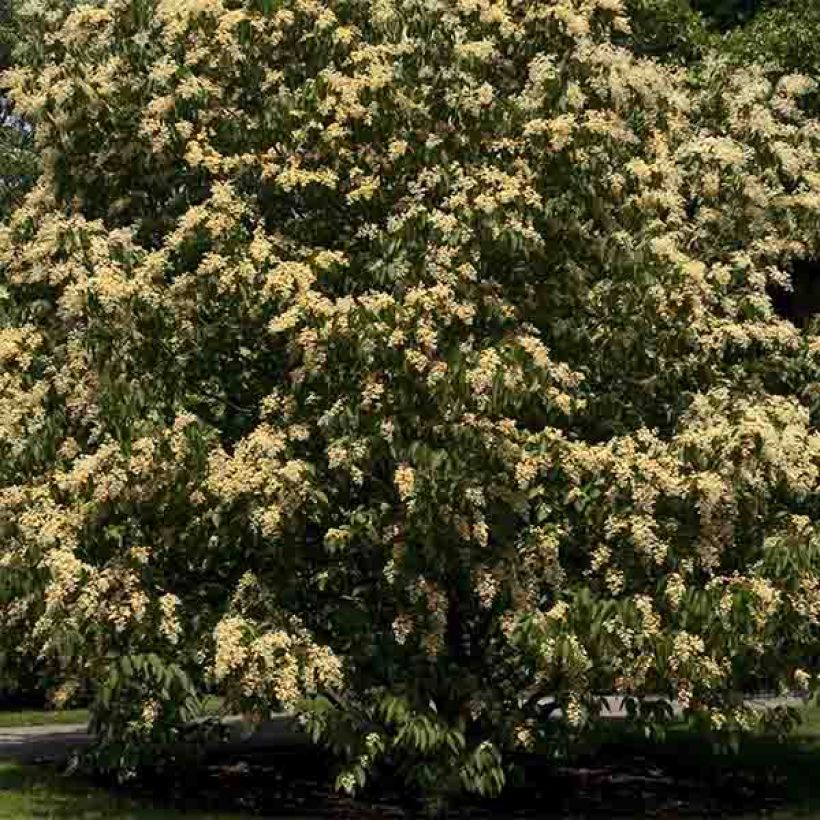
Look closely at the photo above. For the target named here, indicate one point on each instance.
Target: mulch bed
(611, 783)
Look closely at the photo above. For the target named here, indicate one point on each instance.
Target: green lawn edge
(42, 717)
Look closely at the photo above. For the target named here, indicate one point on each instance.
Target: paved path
(56, 743)
(34, 743)
(615, 710)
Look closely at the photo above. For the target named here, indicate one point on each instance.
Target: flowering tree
(407, 363)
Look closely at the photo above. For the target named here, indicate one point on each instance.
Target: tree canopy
(410, 364)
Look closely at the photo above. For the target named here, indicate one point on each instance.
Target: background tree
(782, 35)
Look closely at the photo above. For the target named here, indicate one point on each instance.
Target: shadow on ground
(624, 777)
(620, 777)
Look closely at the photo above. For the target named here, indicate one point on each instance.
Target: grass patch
(16, 718)
(29, 792)
(42, 717)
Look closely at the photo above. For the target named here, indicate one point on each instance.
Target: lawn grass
(40, 793)
(211, 706)
(42, 717)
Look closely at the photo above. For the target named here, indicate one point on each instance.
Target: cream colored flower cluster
(260, 667)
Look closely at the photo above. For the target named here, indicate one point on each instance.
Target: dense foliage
(784, 36)
(408, 363)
